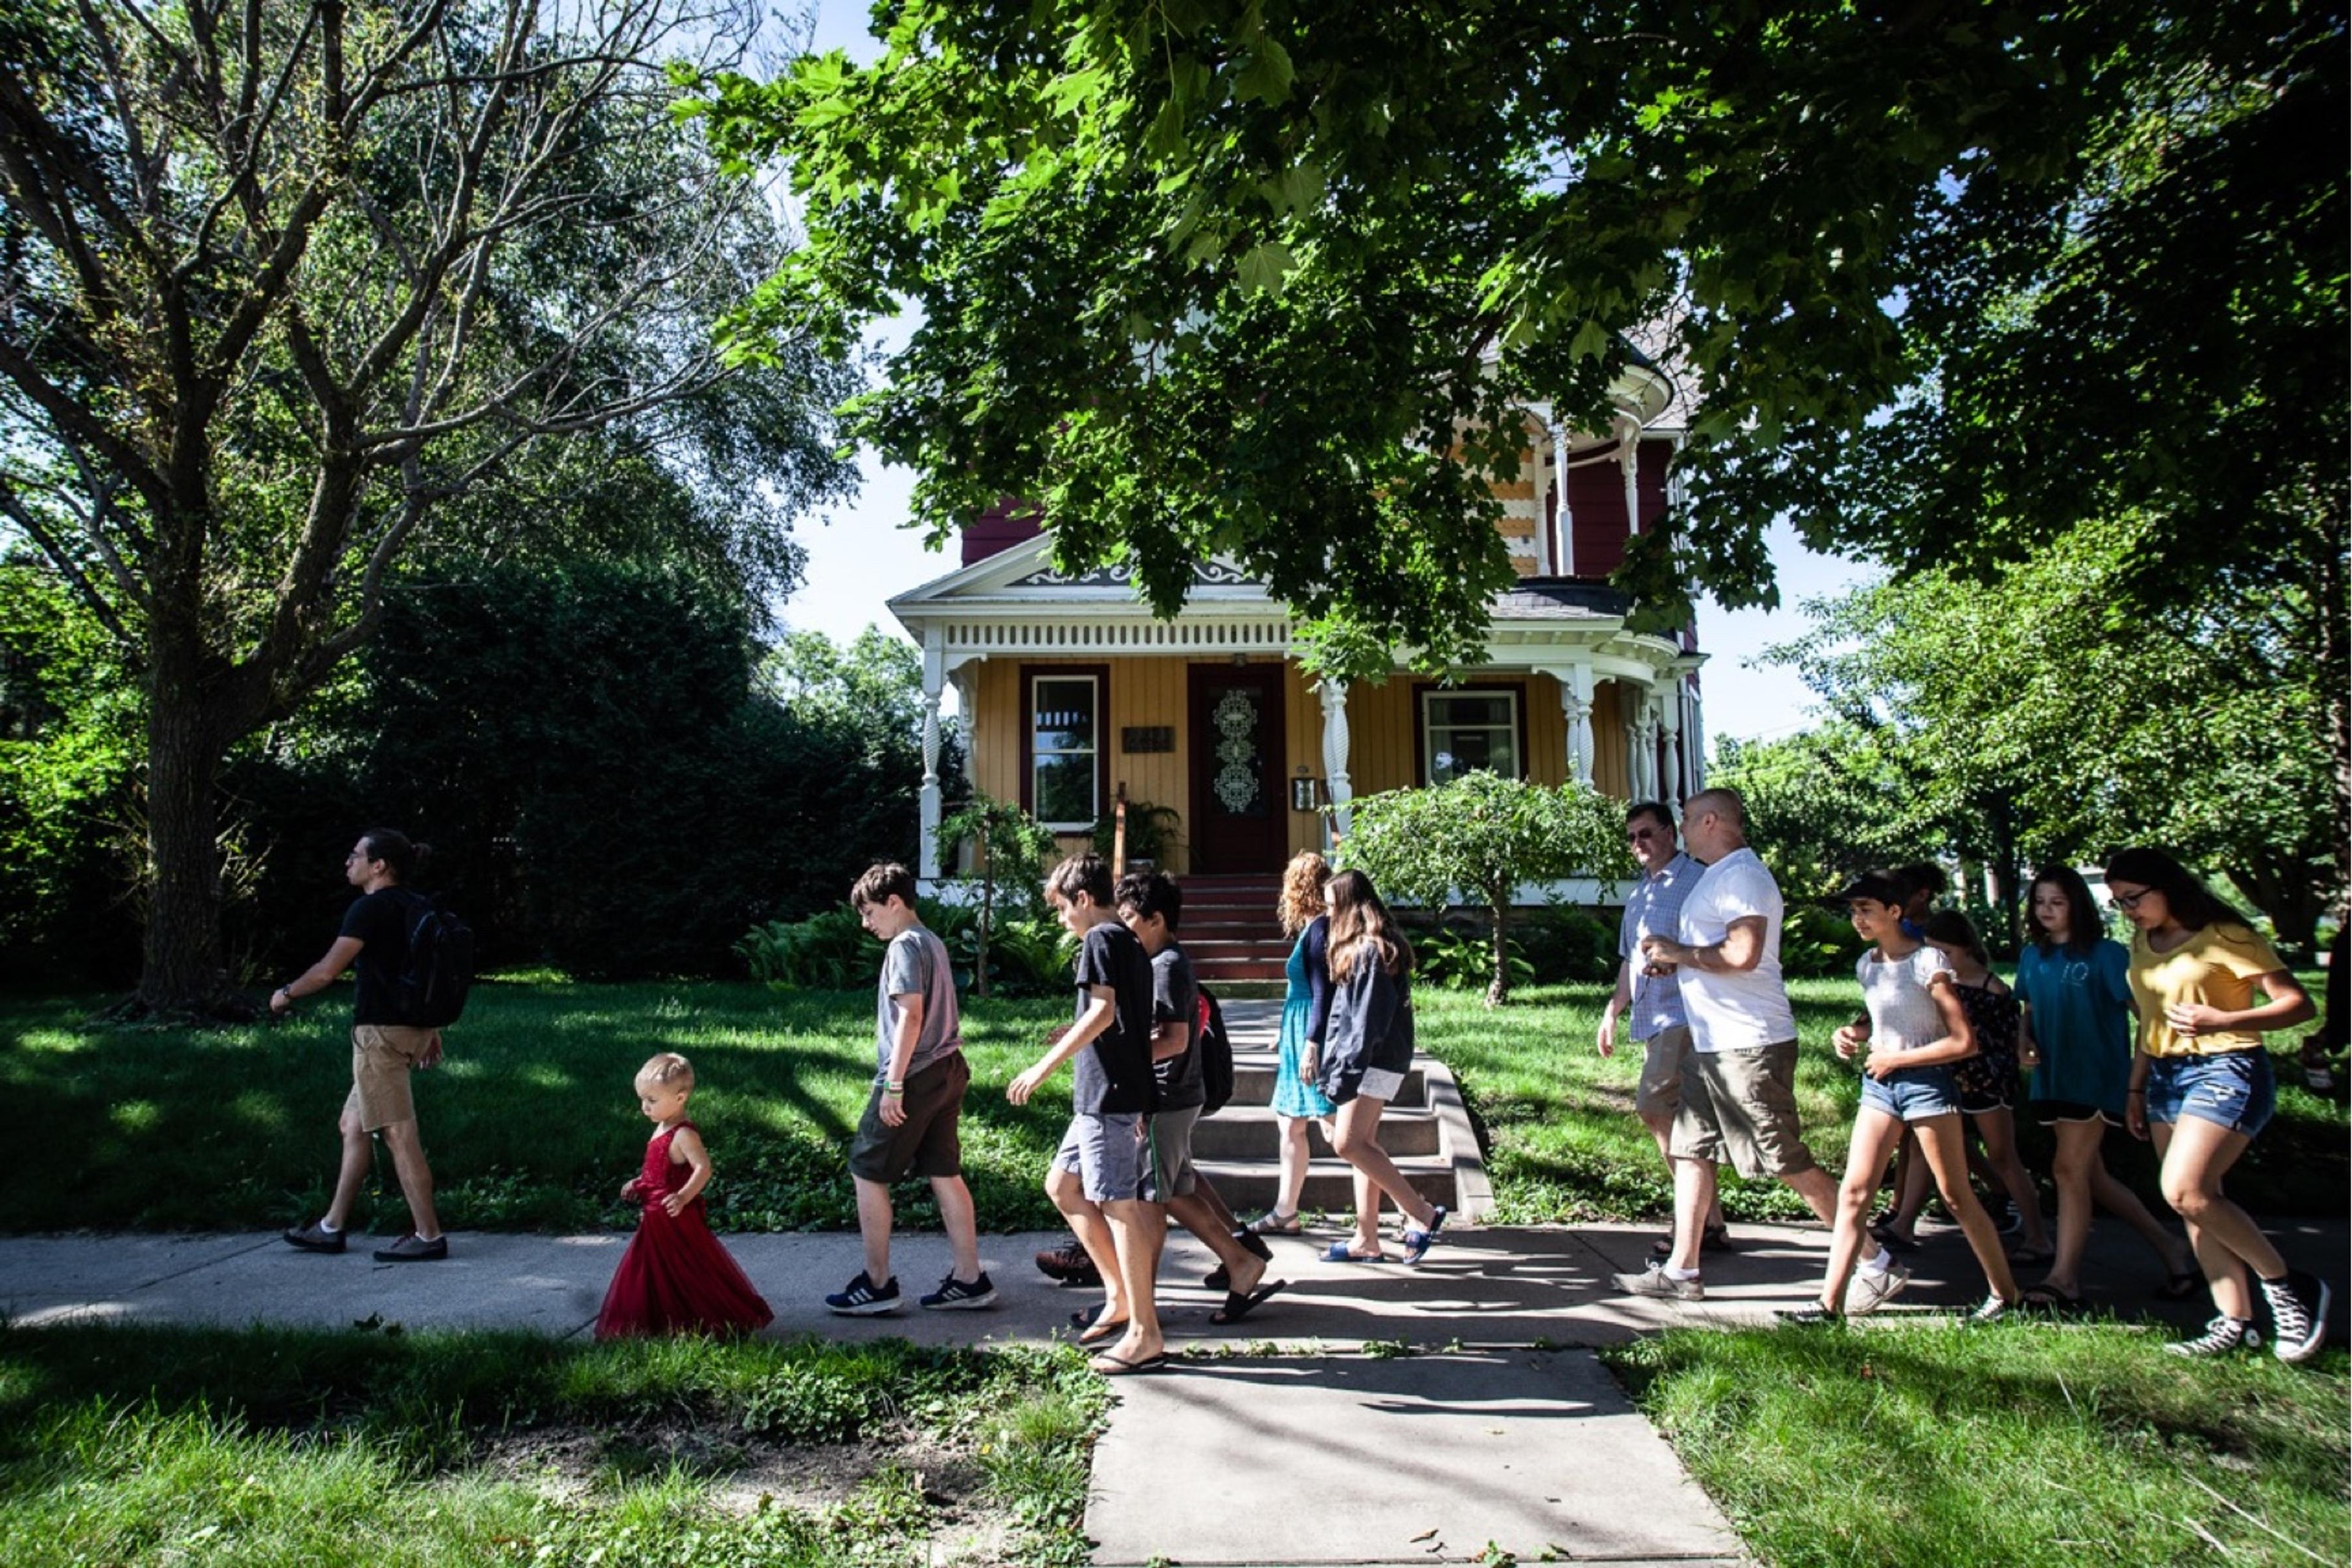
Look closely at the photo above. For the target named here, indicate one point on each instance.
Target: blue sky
(859, 555)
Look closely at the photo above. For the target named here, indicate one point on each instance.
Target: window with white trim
(1468, 732)
(1064, 749)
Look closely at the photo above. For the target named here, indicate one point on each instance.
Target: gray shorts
(1108, 1152)
(1739, 1108)
(1170, 1137)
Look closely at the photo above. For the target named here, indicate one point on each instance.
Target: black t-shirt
(1114, 1072)
(381, 922)
(1176, 998)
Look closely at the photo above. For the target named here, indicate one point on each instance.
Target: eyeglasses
(2129, 901)
(1638, 835)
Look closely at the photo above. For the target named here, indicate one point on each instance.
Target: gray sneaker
(1871, 1289)
(1655, 1281)
(315, 1237)
(414, 1248)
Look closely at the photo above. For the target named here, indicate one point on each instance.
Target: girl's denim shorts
(2235, 1088)
(1912, 1094)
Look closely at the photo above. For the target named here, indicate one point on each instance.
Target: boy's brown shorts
(926, 1143)
(382, 1058)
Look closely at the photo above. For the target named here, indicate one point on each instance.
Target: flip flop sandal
(2050, 1299)
(1093, 1333)
(1894, 1243)
(1338, 1252)
(2033, 1258)
(1238, 1306)
(1271, 1223)
(1417, 1242)
(2181, 1285)
(1119, 1366)
(1714, 1239)
(1216, 1278)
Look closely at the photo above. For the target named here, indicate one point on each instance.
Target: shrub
(1566, 943)
(1818, 943)
(1032, 956)
(828, 952)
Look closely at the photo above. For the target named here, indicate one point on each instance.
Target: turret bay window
(1468, 729)
(1063, 784)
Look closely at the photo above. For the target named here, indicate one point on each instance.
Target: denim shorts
(2235, 1089)
(1912, 1094)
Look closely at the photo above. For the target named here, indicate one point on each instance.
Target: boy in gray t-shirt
(909, 1124)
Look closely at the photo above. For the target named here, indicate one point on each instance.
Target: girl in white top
(1917, 1029)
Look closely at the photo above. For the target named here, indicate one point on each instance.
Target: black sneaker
(315, 1237)
(863, 1299)
(1070, 1266)
(2298, 1306)
(954, 1296)
(410, 1249)
(2223, 1335)
(1813, 1316)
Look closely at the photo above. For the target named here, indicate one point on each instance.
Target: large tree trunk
(182, 970)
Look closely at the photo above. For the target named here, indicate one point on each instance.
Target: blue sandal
(1338, 1252)
(1417, 1242)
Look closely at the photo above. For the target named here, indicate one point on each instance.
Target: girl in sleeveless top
(675, 1276)
(1306, 1010)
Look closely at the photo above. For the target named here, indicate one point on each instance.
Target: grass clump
(140, 1445)
(1940, 1445)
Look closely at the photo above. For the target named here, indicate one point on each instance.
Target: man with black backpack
(414, 965)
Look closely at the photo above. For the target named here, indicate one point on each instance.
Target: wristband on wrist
(894, 1088)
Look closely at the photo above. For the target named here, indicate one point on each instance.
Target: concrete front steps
(1426, 1130)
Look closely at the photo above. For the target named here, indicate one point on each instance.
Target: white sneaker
(1991, 1309)
(1655, 1281)
(1871, 1289)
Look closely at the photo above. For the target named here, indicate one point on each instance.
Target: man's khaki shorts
(382, 1058)
(1660, 1088)
(1740, 1108)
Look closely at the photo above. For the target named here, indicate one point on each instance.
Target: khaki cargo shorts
(1739, 1108)
(1660, 1088)
(383, 1054)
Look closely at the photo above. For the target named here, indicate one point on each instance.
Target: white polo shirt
(1744, 1010)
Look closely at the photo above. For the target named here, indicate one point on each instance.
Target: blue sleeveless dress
(1293, 1096)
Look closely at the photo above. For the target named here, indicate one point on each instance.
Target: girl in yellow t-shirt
(2201, 1086)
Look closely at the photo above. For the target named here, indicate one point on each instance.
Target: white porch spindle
(1576, 707)
(1632, 704)
(1670, 714)
(1645, 750)
(1335, 751)
(1563, 519)
(1629, 458)
(934, 679)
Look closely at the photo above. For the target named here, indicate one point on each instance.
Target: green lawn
(1563, 1142)
(532, 1124)
(1944, 1446)
(261, 1447)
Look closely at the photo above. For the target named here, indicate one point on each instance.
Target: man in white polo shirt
(1738, 1102)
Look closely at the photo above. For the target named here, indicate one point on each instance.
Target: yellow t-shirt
(2217, 966)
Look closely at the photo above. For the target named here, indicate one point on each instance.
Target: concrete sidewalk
(1482, 1286)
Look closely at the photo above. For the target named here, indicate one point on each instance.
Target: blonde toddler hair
(669, 1070)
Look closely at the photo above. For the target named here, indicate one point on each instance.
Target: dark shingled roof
(1559, 599)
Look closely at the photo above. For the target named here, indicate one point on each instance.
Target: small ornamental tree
(1478, 840)
(1012, 849)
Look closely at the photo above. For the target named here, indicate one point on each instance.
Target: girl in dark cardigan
(1361, 1061)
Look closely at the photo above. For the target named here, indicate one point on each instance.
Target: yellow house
(1072, 690)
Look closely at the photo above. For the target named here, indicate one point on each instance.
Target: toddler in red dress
(676, 1276)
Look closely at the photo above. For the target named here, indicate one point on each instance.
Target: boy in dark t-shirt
(1151, 906)
(1101, 1175)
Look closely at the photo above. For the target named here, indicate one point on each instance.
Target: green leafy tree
(1481, 838)
(2048, 713)
(1309, 262)
(278, 282)
(1827, 803)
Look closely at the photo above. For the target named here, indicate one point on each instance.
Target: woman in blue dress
(1306, 1009)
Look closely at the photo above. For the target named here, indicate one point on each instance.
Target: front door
(1240, 815)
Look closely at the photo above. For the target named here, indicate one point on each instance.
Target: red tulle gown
(676, 1276)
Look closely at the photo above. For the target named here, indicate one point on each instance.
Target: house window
(1065, 747)
(1465, 732)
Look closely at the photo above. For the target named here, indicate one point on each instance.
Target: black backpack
(440, 969)
(1216, 1048)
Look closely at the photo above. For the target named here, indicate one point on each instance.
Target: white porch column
(1630, 700)
(934, 679)
(1697, 745)
(1670, 714)
(1645, 771)
(1544, 480)
(1576, 707)
(1565, 521)
(1629, 458)
(1335, 751)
